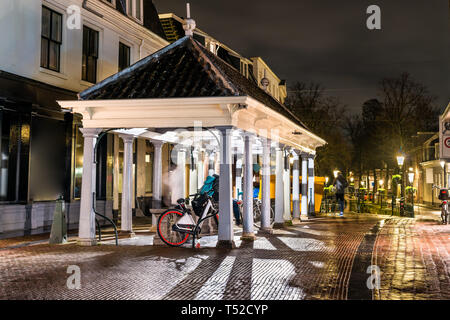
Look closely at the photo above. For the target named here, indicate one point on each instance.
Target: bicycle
(257, 204)
(444, 197)
(176, 225)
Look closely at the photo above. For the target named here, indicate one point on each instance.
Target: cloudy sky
(327, 41)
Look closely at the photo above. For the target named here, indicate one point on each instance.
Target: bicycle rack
(101, 135)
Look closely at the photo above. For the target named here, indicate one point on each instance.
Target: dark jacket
(340, 184)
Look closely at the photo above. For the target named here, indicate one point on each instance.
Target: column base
(248, 236)
(305, 218)
(127, 234)
(296, 221)
(225, 244)
(266, 230)
(278, 225)
(86, 242)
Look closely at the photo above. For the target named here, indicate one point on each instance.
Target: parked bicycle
(176, 225)
(257, 205)
(444, 197)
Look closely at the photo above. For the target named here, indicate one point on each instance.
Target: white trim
(54, 73)
(69, 104)
(184, 112)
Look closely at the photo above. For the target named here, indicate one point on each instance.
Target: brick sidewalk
(315, 260)
(414, 260)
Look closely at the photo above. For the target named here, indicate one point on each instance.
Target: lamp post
(444, 178)
(400, 161)
(325, 194)
(411, 181)
(381, 182)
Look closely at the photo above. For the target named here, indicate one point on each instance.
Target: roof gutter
(84, 5)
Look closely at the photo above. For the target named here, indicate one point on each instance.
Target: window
(124, 56)
(77, 162)
(90, 55)
(134, 9)
(51, 39)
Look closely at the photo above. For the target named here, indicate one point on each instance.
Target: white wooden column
(238, 181)
(311, 194)
(304, 214)
(126, 225)
(226, 234)
(157, 179)
(193, 172)
(247, 231)
(116, 178)
(178, 176)
(181, 171)
(265, 192)
(296, 188)
(86, 231)
(211, 163)
(157, 175)
(279, 188)
(200, 170)
(287, 189)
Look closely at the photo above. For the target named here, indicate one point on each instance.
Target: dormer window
(134, 9)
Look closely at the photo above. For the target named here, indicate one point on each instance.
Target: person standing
(340, 184)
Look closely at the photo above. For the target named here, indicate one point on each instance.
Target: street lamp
(443, 168)
(411, 177)
(400, 161)
(380, 194)
(326, 180)
(336, 172)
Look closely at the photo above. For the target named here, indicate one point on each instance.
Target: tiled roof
(183, 69)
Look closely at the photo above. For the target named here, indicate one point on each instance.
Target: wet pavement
(324, 258)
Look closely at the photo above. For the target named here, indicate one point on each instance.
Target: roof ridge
(226, 81)
(256, 86)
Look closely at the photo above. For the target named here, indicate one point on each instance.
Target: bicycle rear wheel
(164, 228)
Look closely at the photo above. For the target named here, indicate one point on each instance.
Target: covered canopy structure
(186, 95)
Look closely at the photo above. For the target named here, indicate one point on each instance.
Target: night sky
(327, 41)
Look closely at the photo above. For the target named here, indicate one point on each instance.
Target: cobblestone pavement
(324, 258)
(414, 260)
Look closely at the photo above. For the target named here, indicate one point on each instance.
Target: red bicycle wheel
(165, 232)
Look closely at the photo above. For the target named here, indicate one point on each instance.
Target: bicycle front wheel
(165, 228)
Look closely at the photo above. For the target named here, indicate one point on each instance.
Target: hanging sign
(444, 139)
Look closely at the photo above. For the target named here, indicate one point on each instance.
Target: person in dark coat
(340, 184)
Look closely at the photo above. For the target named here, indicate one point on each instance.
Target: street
(323, 258)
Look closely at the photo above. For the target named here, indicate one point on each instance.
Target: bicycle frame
(186, 224)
